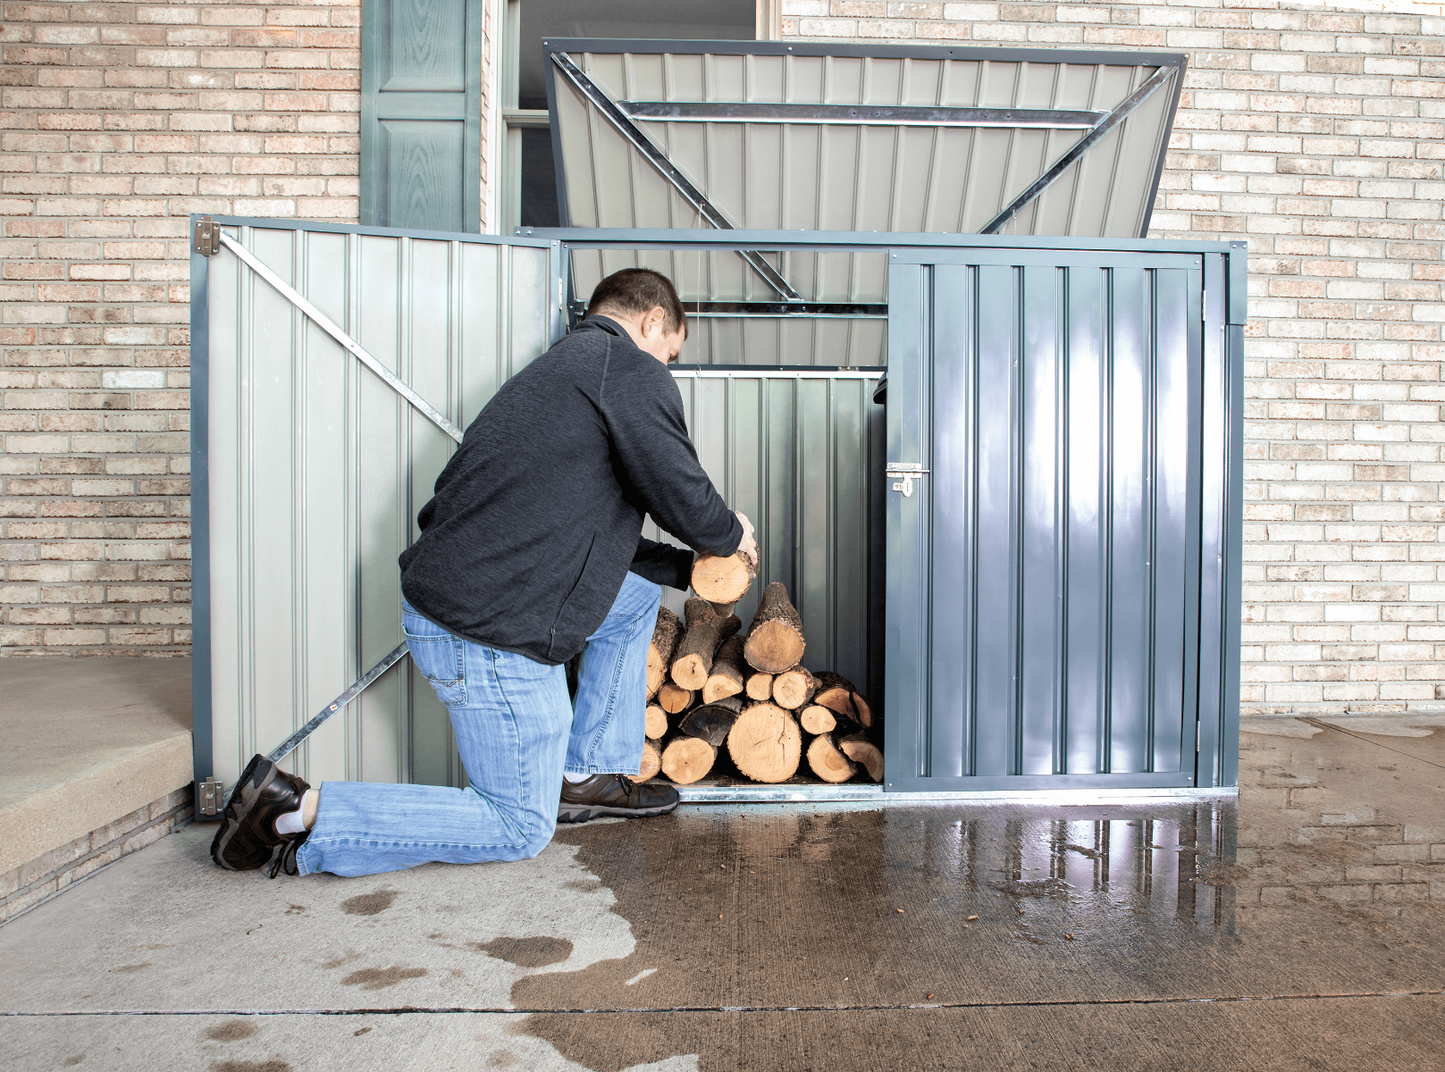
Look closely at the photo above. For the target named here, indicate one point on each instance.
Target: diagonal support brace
(331, 328)
(658, 159)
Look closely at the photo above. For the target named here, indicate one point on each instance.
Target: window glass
(675, 20)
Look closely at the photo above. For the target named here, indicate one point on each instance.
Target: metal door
(309, 469)
(1046, 516)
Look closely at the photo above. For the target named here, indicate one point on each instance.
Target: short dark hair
(634, 291)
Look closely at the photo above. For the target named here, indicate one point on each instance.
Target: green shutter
(421, 114)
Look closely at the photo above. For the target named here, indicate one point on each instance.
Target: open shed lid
(827, 137)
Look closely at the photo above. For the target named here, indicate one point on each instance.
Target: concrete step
(95, 762)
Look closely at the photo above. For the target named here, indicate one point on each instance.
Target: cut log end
(827, 762)
(651, 762)
(775, 637)
(673, 698)
(721, 580)
(766, 744)
(687, 759)
(863, 752)
(817, 719)
(793, 688)
(656, 721)
(760, 687)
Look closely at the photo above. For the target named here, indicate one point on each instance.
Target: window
(526, 186)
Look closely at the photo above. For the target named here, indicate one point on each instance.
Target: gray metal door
(309, 469)
(1046, 446)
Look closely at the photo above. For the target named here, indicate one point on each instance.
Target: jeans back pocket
(442, 658)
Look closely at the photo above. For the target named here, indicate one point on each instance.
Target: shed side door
(1043, 575)
(310, 470)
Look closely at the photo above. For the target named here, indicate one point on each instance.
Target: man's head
(646, 304)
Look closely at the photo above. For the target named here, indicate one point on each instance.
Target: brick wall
(1316, 134)
(116, 122)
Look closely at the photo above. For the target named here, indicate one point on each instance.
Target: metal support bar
(330, 327)
(289, 745)
(705, 310)
(1087, 142)
(655, 156)
(858, 115)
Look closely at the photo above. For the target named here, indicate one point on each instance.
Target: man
(530, 551)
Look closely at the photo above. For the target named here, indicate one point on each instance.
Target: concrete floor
(1300, 928)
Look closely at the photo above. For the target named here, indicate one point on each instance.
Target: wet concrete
(1302, 927)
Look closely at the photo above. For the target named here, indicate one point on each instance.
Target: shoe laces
(286, 858)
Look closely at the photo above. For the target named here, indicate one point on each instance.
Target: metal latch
(909, 473)
(208, 237)
(208, 798)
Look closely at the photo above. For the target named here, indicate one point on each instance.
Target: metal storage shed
(1034, 560)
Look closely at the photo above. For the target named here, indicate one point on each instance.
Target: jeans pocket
(443, 660)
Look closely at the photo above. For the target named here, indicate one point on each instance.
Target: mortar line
(404, 1010)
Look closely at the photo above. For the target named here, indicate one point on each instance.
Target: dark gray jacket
(537, 517)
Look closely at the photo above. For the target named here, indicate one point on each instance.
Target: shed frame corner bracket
(290, 744)
(331, 328)
(665, 167)
(208, 798)
(206, 240)
(1110, 120)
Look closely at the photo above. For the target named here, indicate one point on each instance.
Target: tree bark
(793, 688)
(665, 636)
(706, 629)
(863, 752)
(651, 761)
(726, 678)
(827, 762)
(656, 721)
(759, 687)
(721, 581)
(711, 722)
(775, 638)
(673, 698)
(765, 743)
(687, 759)
(817, 719)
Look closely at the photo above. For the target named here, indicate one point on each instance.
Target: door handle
(907, 474)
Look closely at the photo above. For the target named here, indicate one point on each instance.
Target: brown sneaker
(613, 794)
(247, 838)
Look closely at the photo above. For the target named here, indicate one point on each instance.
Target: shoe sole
(248, 800)
(580, 813)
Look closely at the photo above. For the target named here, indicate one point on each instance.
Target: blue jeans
(516, 732)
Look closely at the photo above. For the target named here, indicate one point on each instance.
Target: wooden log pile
(711, 685)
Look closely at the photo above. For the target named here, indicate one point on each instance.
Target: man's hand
(748, 547)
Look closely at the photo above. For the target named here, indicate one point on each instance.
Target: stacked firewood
(711, 685)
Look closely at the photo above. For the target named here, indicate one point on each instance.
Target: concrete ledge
(45, 876)
(92, 751)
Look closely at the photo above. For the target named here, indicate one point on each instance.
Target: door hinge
(907, 474)
(208, 237)
(208, 798)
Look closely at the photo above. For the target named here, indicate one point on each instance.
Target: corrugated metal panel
(802, 455)
(791, 158)
(1046, 580)
(316, 469)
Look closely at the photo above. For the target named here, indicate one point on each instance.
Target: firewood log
(656, 721)
(726, 678)
(837, 693)
(673, 698)
(775, 637)
(711, 722)
(665, 636)
(706, 629)
(765, 743)
(721, 581)
(827, 762)
(651, 761)
(815, 718)
(863, 752)
(793, 688)
(759, 687)
(687, 759)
